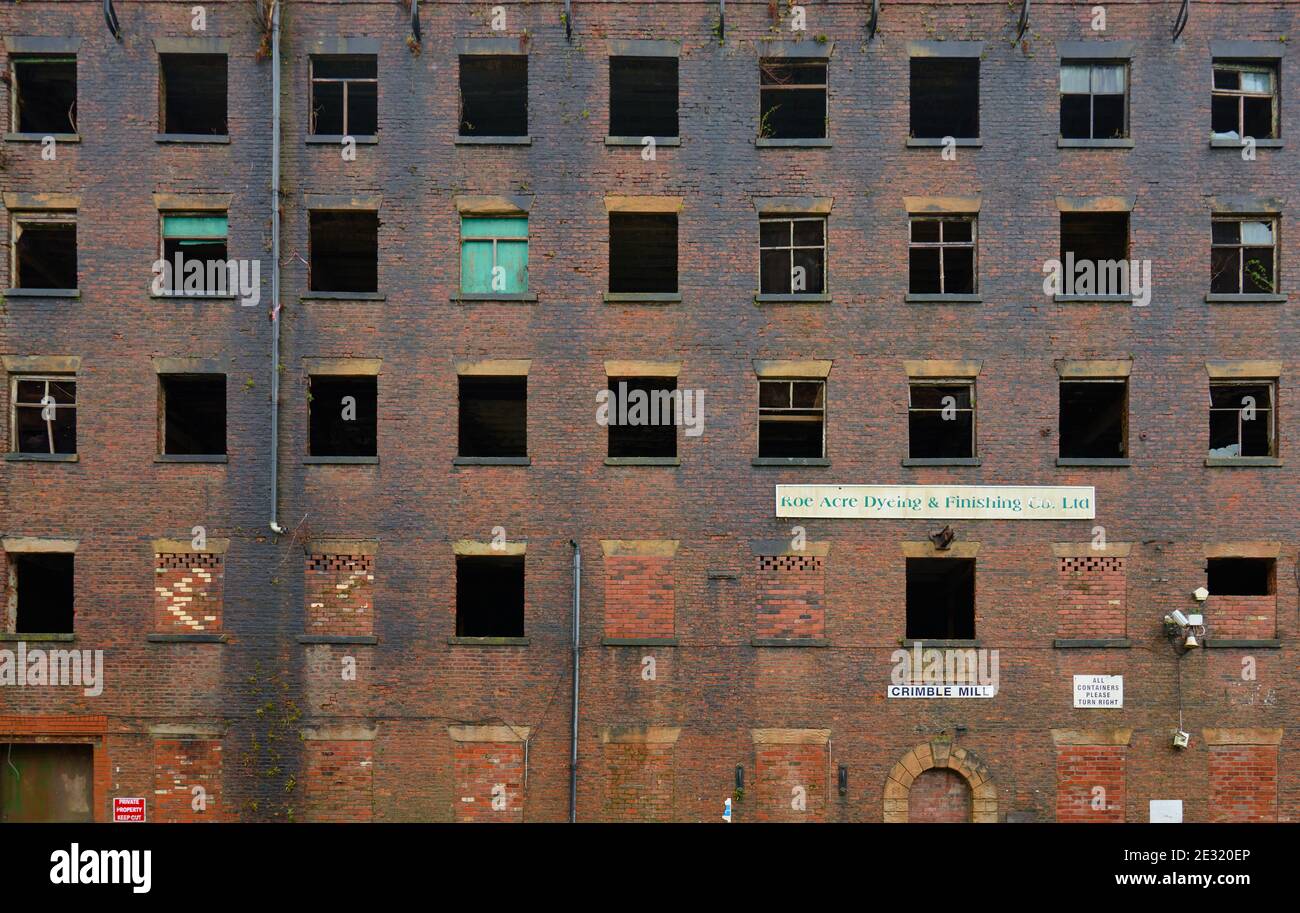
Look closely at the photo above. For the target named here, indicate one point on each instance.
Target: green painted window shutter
(194, 227)
(488, 242)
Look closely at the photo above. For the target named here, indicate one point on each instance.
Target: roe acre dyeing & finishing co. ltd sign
(937, 502)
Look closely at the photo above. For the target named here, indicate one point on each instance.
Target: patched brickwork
(939, 796)
(1241, 617)
(489, 778)
(786, 776)
(1243, 783)
(639, 597)
(1092, 594)
(338, 780)
(188, 593)
(339, 595)
(187, 775)
(1090, 783)
(791, 597)
(639, 782)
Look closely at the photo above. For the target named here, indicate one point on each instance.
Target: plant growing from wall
(271, 746)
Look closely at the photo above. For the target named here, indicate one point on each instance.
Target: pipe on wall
(275, 267)
(577, 616)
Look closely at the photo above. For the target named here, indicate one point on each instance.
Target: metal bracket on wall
(110, 19)
(1023, 25)
(873, 24)
(415, 21)
(568, 20)
(1183, 15)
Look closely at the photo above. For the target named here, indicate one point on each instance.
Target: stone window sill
(488, 641)
(809, 142)
(1237, 144)
(639, 140)
(1228, 643)
(35, 638)
(42, 457)
(523, 297)
(1096, 462)
(639, 641)
(790, 461)
(342, 296)
(494, 140)
(932, 142)
(766, 298)
(42, 293)
(1093, 299)
(329, 139)
(361, 639)
(492, 461)
(1094, 643)
(195, 138)
(187, 638)
(212, 296)
(942, 461)
(340, 461)
(643, 297)
(939, 644)
(643, 461)
(1114, 143)
(40, 137)
(1214, 298)
(1239, 462)
(911, 298)
(789, 642)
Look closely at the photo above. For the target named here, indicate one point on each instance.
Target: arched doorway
(960, 787)
(938, 796)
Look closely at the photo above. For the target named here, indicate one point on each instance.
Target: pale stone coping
(186, 547)
(23, 44)
(1114, 367)
(1112, 203)
(191, 45)
(926, 549)
(341, 546)
(639, 548)
(945, 48)
(214, 202)
(349, 367)
(624, 203)
(778, 548)
(953, 204)
(951, 367)
(1088, 550)
(325, 201)
(359, 46)
(1255, 549)
(644, 47)
(783, 47)
(1244, 204)
(494, 204)
(636, 735)
(470, 547)
(792, 369)
(636, 368)
(495, 367)
(42, 364)
(359, 732)
(37, 544)
(42, 200)
(1242, 736)
(189, 365)
(1120, 736)
(187, 730)
(489, 733)
(491, 46)
(797, 206)
(791, 736)
(1245, 369)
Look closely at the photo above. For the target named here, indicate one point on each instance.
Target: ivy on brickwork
(270, 746)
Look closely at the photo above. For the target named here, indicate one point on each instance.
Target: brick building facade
(332, 672)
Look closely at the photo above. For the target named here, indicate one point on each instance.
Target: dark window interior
(44, 583)
(343, 427)
(941, 598)
(46, 254)
(945, 97)
(345, 251)
(1242, 420)
(1242, 256)
(791, 418)
(194, 413)
(493, 416)
(1094, 100)
(643, 439)
(1094, 419)
(642, 252)
(47, 94)
(37, 433)
(643, 96)
(1094, 236)
(1243, 99)
(941, 422)
(345, 95)
(193, 89)
(792, 99)
(494, 95)
(1240, 576)
(489, 596)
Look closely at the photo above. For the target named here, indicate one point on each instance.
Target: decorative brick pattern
(781, 772)
(1093, 601)
(338, 780)
(791, 597)
(187, 781)
(638, 782)
(339, 595)
(187, 593)
(939, 796)
(1243, 783)
(1241, 617)
(1090, 783)
(639, 596)
(489, 779)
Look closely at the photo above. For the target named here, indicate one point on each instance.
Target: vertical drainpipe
(275, 265)
(577, 615)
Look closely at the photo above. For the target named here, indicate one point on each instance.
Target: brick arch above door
(941, 753)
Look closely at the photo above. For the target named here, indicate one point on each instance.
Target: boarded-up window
(46, 783)
(792, 99)
(494, 255)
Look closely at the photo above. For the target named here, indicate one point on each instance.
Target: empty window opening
(941, 421)
(43, 783)
(1094, 236)
(792, 99)
(1094, 419)
(643, 252)
(193, 93)
(344, 415)
(642, 417)
(941, 256)
(44, 414)
(793, 255)
(643, 96)
(1243, 256)
(43, 582)
(493, 416)
(1094, 100)
(494, 255)
(45, 251)
(193, 414)
(45, 94)
(344, 251)
(945, 97)
(345, 95)
(1244, 101)
(792, 418)
(1243, 420)
(200, 238)
(941, 598)
(494, 95)
(489, 596)
(1241, 576)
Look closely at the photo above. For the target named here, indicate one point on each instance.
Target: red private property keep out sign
(128, 810)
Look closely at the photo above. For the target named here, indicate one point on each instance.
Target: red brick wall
(939, 796)
(639, 782)
(1243, 783)
(337, 780)
(1082, 770)
(488, 770)
(338, 593)
(179, 765)
(791, 597)
(779, 769)
(1244, 617)
(639, 596)
(1093, 601)
(187, 593)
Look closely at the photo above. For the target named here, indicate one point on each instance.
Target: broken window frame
(792, 413)
(1092, 65)
(43, 217)
(1264, 412)
(164, 127)
(766, 67)
(183, 377)
(193, 239)
(1241, 247)
(1241, 67)
(20, 61)
(1122, 382)
(912, 408)
(790, 248)
(16, 404)
(943, 245)
(347, 82)
(496, 239)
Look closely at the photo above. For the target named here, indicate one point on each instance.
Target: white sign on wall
(1166, 811)
(1099, 691)
(937, 502)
